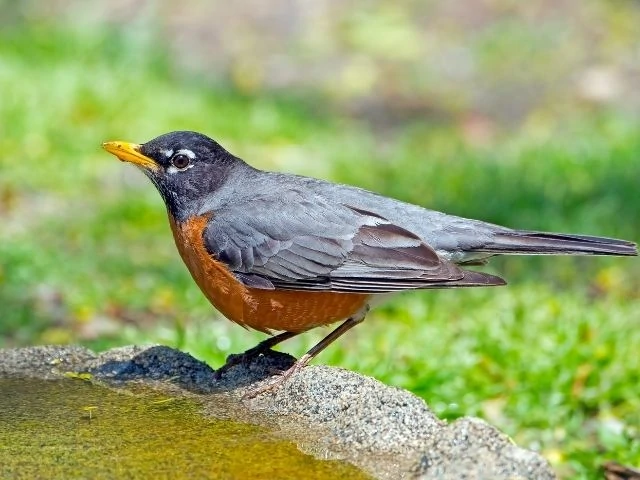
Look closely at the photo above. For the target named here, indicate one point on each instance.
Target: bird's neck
(209, 194)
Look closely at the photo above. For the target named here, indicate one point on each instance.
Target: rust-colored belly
(264, 310)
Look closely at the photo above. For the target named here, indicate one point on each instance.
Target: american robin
(286, 253)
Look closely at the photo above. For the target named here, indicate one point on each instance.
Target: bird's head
(184, 166)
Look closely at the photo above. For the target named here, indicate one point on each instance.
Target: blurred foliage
(86, 254)
(387, 62)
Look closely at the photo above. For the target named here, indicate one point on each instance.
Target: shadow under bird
(285, 253)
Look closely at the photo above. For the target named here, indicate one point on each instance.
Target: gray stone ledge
(330, 412)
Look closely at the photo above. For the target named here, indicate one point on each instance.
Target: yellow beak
(130, 152)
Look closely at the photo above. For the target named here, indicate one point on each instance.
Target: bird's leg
(347, 325)
(271, 342)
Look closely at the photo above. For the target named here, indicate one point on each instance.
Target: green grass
(86, 254)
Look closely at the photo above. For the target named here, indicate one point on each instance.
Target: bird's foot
(260, 349)
(238, 359)
(280, 378)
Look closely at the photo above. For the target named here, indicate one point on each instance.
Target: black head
(186, 167)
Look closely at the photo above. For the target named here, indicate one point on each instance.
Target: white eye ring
(180, 161)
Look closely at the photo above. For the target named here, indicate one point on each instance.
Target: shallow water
(75, 429)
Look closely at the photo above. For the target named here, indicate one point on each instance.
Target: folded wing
(297, 243)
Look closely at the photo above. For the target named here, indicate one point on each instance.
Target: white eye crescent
(181, 161)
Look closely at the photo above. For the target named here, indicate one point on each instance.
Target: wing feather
(295, 242)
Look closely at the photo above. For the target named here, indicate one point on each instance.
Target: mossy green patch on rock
(76, 429)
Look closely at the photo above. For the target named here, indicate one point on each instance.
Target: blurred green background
(521, 113)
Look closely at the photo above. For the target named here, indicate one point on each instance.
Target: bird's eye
(180, 161)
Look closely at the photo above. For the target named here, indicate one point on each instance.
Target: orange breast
(264, 310)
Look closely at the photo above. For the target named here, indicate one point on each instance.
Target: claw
(306, 358)
(280, 378)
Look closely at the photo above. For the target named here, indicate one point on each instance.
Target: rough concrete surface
(329, 412)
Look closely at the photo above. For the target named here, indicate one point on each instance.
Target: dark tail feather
(471, 279)
(540, 243)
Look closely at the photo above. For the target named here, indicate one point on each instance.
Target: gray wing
(467, 241)
(300, 242)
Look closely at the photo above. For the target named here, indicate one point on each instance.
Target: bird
(283, 253)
